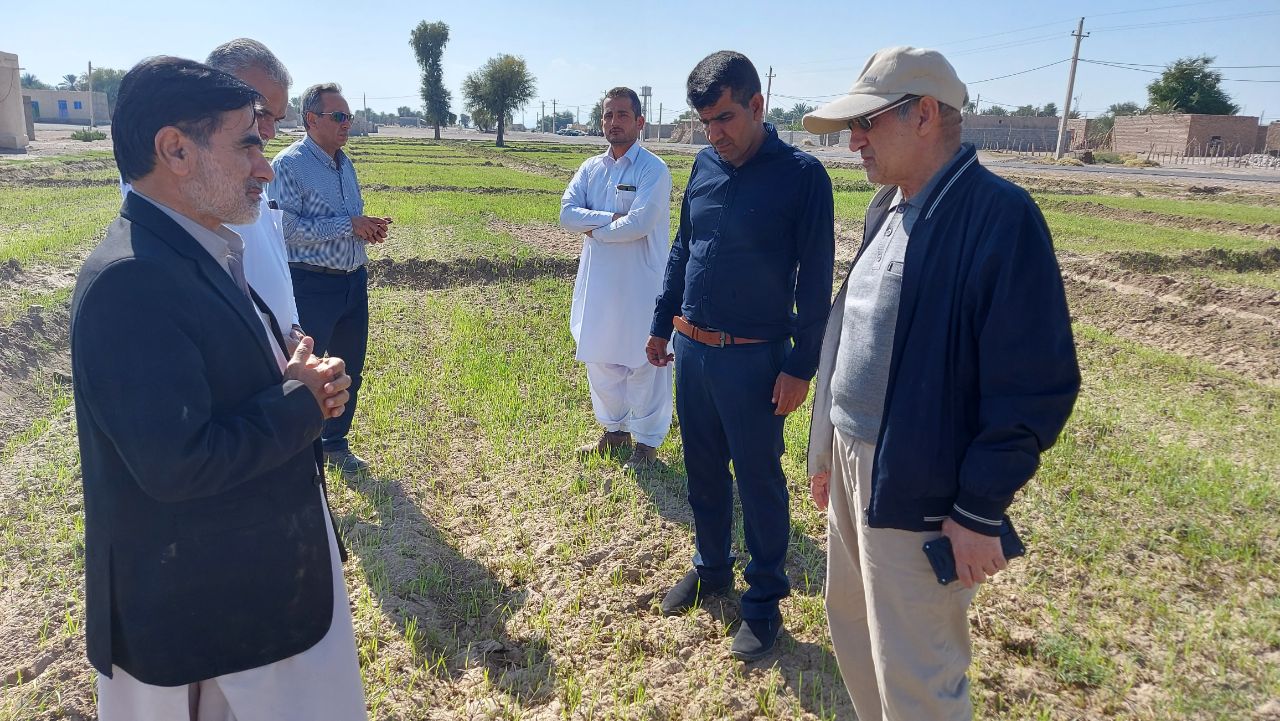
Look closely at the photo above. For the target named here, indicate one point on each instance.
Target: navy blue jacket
(983, 375)
(755, 251)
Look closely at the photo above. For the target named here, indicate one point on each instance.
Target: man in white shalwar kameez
(620, 202)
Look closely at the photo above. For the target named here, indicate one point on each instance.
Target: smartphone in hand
(943, 559)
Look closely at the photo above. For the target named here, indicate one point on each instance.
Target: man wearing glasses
(749, 274)
(325, 232)
(947, 368)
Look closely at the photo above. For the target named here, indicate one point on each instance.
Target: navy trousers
(724, 399)
(334, 311)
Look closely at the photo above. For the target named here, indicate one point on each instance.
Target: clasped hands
(370, 228)
(326, 378)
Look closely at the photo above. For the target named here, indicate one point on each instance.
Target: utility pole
(364, 103)
(646, 95)
(1079, 35)
(88, 80)
(542, 114)
(768, 91)
(977, 105)
(553, 115)
(659, 138)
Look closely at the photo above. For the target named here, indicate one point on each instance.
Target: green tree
(997, 110)
(563, 119)
(1189, 86)
(796, 114)
(105, 80)
(1025, 111)
(1125, 108)
(596, 119)
(428, 41)
(69, 82)
(1100, 129)
(1050, 110)
(500, 86)
(777, 116)
(31, 82)
(464, 120)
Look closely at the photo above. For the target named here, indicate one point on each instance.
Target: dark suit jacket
(205, 543)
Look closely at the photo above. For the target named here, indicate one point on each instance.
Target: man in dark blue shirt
(749, 275)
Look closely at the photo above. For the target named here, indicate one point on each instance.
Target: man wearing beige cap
(947, 368)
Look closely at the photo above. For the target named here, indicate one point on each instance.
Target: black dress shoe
(688, 593)
(348, 464)
(756, 637)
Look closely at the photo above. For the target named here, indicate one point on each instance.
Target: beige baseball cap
(888, 76)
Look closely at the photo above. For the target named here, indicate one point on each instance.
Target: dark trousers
(724, 399)
(334, 311)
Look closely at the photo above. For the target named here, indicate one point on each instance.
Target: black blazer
(205, 543)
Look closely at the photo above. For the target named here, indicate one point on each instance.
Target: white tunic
(620, 272)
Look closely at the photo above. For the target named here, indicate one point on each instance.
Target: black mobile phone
(943, 559)
(625, 188)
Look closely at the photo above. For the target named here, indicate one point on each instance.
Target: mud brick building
(1269, 138)
(1009, 132)
(1186, 134)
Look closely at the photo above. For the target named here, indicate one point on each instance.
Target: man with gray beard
(213, 585)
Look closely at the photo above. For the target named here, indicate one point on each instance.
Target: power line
(1188, 21)
(1165, 65)
(1020, 72)
(1124, 66)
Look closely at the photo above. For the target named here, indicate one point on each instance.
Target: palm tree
(69, 82)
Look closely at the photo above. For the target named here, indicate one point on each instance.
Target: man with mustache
(620, 201)
(213, 580)
(749, 275)
(326, 233)
(947, 369)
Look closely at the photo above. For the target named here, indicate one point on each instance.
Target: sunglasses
(863, 122)
(339, 116)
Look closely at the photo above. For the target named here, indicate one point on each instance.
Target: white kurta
(620, 272)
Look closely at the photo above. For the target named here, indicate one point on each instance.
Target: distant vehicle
(569, 131)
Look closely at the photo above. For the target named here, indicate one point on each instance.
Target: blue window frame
(78, 106)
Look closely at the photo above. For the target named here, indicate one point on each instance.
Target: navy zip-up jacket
(755, 251)
(983, 375)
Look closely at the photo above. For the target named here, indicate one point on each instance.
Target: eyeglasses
(863, 122)
(339, 116)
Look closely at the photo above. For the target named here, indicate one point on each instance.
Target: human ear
(174, 150)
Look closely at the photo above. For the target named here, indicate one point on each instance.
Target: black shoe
(688, 593)
(347, 463)
(756, 637)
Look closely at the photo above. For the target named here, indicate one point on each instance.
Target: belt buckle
(722, 337)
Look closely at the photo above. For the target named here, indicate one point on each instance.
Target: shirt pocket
(622, 200)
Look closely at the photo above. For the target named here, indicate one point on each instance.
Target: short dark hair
(720, 71)
(313, 99)
(166, 91)
(625, 92)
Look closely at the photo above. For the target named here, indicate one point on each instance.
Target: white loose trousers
(637, 400)
(322, 682)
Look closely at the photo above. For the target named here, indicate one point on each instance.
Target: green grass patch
(446, 225)
(43, 223)
(1085, 234)
(411, 174)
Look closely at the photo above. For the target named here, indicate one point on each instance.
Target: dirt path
(1237, 329)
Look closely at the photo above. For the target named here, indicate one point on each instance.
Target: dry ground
(469, 587)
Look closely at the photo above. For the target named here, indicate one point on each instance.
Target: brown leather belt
(716, 338)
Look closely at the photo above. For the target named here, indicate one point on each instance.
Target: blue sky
(577, 50)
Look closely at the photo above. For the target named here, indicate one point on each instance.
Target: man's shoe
(609, 442)
(641, 458)
(756, 637)
(689, 592)
(347, 463)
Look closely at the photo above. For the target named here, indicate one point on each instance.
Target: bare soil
(1148, 217)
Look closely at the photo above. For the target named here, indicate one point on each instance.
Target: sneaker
(347, 463)
(609, 442)
(689, 592)
(756, 637)
(641, 458)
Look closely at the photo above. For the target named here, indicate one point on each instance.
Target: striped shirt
(319, 197)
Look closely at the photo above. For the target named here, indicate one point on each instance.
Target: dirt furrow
(1165, 220)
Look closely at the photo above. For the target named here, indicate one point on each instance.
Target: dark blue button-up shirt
(754, 253)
